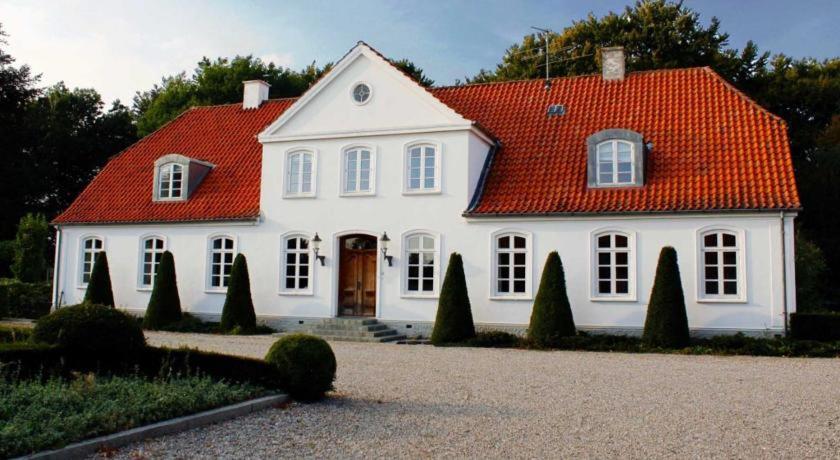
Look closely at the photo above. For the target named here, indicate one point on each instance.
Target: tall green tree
(454, 321)
(31, 242)
(414, 71)
(551, 317)
(164, 304)
(666, 324)
(238, 312)
(99, 291)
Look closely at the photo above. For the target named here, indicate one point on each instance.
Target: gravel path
(425, 402)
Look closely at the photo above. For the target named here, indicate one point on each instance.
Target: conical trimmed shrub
(238, 312)
(99, 290)
(551, 316)
(666, 324)
(164, 304)
(454, 322)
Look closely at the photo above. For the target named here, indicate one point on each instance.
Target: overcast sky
(120, 47)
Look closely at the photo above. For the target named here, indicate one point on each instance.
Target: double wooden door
(357, 276)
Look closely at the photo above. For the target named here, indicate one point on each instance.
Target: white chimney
(255, 93)
(612, 63)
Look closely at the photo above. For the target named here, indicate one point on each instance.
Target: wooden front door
(357, 276)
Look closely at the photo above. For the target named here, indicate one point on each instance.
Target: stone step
(390, 338)
(355, 330)
(345, 320)
(349, 327)
(351, 333)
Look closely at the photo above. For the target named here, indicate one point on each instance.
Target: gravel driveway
(426, 402)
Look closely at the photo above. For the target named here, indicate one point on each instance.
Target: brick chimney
(612, 63)
(254, 94)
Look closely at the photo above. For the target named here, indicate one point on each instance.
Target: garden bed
(36, 415)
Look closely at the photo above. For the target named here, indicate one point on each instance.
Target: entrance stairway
(354, 330)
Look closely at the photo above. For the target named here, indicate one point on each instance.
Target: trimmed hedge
(238, 312)
(164, 304)
(97, 330)
(10, 334)
(666, 324)
(815, 326)
(24, 300)
(454, 321)
(551, 316)
(306, 364)
(99, 290)
(33, 360)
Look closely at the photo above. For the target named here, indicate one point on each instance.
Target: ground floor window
(91, 247)
(613, 259)
(296, 267)
(511, 262)
(720, 265)
(421, 264)
(222, 251)
(153, 248)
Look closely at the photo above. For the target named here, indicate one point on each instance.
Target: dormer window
(615, 159)
(177, 177)
(170, 182)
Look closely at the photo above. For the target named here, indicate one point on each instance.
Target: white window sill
(296, 293)
(165, 200)
(145, 288)
(613, 299)
(295, 196)
(81, 286)
(721, 300)
(419, 296)
(215, 291)
(422, 192)
(511, 297)
(355, 194)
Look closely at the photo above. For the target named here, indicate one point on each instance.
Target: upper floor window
(91, 247)
(358, 177)
(296, 267)
(615, 158)
(299, 174)
(422, 168)
(222, 251)
(421, 264)
(153, 248)
(722, 264)
(511, 265)
(613, 263)
(170, 181)
(615, 163)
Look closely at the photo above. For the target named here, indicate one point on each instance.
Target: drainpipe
(784, 271)
(56, 300)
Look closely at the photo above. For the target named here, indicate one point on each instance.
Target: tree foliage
(99, 291)
(414, 71)
(551, 317)
(30, 249)
(238, 312)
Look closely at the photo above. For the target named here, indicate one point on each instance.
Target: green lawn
(36, 416)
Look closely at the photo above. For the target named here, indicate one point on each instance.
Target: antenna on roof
(545, 33)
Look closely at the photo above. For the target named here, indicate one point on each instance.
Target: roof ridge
(227, 104)
(742, 95)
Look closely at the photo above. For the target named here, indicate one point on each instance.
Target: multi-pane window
(91, 247)
(612, 264)
(615, 163)
(422, 168)
(221, 261)
(170, 181)
(299, 173)
(357, 170)
(296, 264)
(153, 248)
(511, 257)
(421, 255)
(720, 264)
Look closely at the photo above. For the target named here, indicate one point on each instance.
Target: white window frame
(287, 173)
(353, 95)
(529, 272)
(182, 190)
(436, 251)
(82, 252)
(309, 290)
(436, 189)
(208, 269)
(141, 260)
(741, 266)
(615, 182)
(372, 179)
(594, 294)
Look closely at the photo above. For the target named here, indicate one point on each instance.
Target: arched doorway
(357, 275)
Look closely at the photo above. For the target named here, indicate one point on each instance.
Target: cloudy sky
(120, 47)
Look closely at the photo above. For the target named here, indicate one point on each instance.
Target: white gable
(397, 103)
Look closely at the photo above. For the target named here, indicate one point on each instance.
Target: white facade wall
(261, 243)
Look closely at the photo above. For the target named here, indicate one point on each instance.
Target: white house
(605, 169)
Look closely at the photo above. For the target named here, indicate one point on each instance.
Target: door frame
(336, 281)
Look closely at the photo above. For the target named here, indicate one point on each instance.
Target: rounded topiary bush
(306, 364)
(94, 330)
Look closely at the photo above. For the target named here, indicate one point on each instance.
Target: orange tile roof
(713, 149)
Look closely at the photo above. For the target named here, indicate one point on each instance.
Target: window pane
(711, 258)
(730, 287)
(428, 285)
(711, 273)
(303, 258)
(604, 241)
(504, 259)
(504, 242)
(711, 287)
(303, 283)
(625, 177)
(428, 243)
(291, 243)
(729, 240)
(428, 258)
(428, 272)
(414, 258)
(606, 168)
(291, 269)
(604, 287)
(604, 273)
(621, 273)
(710, 240)
(519, 286)
(605, 151)
(729, 257)
(504, 286)
(413, 284)
(620, 241)
(228, 243)
(217, 243)
(519, 258)
(519, 272)
(622, 287)
(414, 242)
(290, 282)
(504, 272)
(303, 243)
(413, 271)
(605, 178)
(729, 273)
(303, 270)
(603, 258)
(621, 258)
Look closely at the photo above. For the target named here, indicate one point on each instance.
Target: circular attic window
(361, 93)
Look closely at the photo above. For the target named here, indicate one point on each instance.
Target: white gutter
(56, 297)
(784, 272)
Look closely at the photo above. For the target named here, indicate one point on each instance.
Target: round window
(361, 93)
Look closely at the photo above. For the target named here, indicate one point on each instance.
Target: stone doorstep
(172, 426)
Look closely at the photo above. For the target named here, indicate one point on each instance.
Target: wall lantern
(316, 246)
(384, 240)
